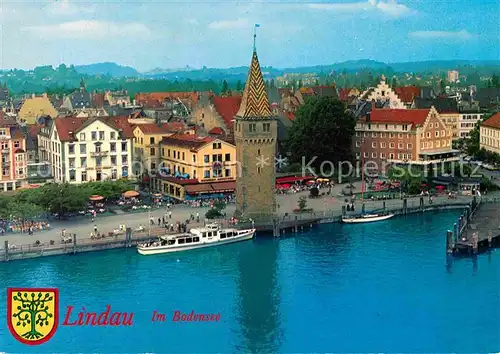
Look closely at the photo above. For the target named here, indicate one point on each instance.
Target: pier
(482, 220)
(476, 231)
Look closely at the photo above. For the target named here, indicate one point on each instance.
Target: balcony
(99, 168)
(5, 151)
(98, 153)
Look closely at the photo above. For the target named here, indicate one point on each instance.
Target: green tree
(272, 84)
(495, 81)
(326, 121)
(225, 87)
(394, 83)
(302, 203)
(299, 85)
(33, 313)
(239, 85)
(442, 86)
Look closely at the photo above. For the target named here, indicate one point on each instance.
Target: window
(82, 136)
(194, 158)
(438, 144)
(114, 174)
(436, 133)
(267, 127)
(152, 151)
(94, 136)
(112, 136)
(374, 155)
(391, 145)
(391, 156)
(124, 146)
(227, 172)
(72, 162)
(358, 143)
(206, 158)
(374, 135)
(358, 134)
(183, 156)
(113, 160)
(400, 136)
(400, 146)
(374, 145)
(391, 135)
(252, 127)
(72, 175)
(383, 145)
(366, 154)
(83, 162)
(206, 174)
(84, 176)
(216, 146)
(124, 159)
(83, 149)
(428, 134)
(259, 170)
(98, 161)
(112, 147)
(168, 152)
(152, 140)
(442, 133)
(101, 135)
(20, 171)
(71, 148)
(98, 147)
(228, 157)
(382, 155)
(409, 146)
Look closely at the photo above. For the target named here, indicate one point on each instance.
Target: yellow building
(489, 134)
(193, 165)
(147, 138)
(82, 150)
(452, 122)
(35, 107)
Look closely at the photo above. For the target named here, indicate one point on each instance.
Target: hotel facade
(14, 159)
(489, 134)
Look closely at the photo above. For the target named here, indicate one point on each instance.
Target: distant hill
(108, 69)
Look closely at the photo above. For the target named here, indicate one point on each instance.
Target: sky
(171, 34)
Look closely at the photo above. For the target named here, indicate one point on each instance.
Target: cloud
(389, 7)
(461, 35)
(64, 7)
(90, 29)
(222, 25)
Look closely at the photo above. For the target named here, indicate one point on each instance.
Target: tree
(239, 85)
(225, 87)
(394, 83)
(33, 312)
(495, 81)
(272, 84)
(300, 84)
(332, 127)
(302, 203)
(442, 86)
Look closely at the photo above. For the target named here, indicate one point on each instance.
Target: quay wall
(284, 224)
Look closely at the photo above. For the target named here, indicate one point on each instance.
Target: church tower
(255, 132)
(83, 88)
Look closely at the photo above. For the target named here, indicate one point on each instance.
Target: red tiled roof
(163, 128)
(72, 124)
(191, 141)
(161, 96)
(407, 93)
(33, 130)
(414, 116)
(492, 122)
(227, 107)
(66, 125)
(97, 100)
(216, 131)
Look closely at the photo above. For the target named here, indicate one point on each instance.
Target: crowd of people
(23, 226)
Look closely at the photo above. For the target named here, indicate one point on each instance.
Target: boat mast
(362, 169)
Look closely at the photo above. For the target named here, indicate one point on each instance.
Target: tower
(82, 86)
(255, 137)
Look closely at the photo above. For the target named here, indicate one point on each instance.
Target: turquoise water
(380, 287)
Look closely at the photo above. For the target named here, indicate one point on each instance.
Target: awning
(292, 179)
(219, 187)
(224, 186)
(199, 188)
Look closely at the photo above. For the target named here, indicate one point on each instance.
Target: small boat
(366, 218)
(208, 236)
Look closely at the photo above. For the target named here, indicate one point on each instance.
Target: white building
(467, 122)
(383, 93)
(88, 149)
(453, 76)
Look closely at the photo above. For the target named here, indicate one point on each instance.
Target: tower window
(258, 170)
(252, 127)
(267, 127)
(258, 152)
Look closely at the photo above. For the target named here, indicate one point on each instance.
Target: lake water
(381, 287)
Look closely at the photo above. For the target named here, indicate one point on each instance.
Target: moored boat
(208, 236)
(363, 218)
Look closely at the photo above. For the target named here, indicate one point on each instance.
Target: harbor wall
(289, 223)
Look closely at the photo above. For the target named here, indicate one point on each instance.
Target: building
(489, 134)
(255, 137)
(403, 136)
(78, 100)
(36, 107)
(147, 138)
(87, 149)
(4, 96)
(194, 165)
(453, 76)
(14, 160)
(467, 122)
(452, 122)
(117, 98)
(382, 93)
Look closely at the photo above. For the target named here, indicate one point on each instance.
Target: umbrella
(130, 194)
(96, 198)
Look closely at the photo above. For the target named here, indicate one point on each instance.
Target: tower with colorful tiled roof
(255, 131)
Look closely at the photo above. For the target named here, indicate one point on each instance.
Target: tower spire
(255, 36)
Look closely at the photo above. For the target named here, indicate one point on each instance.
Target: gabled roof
(254, 103)
(216, 131)
(227, 107)
(492, 122)
(66, 125)
(325, 91)
(190, 141)
(154, 129)
(398, 116)
(407, 93)
(442, 105)
(73, 124)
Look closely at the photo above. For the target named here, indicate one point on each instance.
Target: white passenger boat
(208, 236)
(366, 218)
